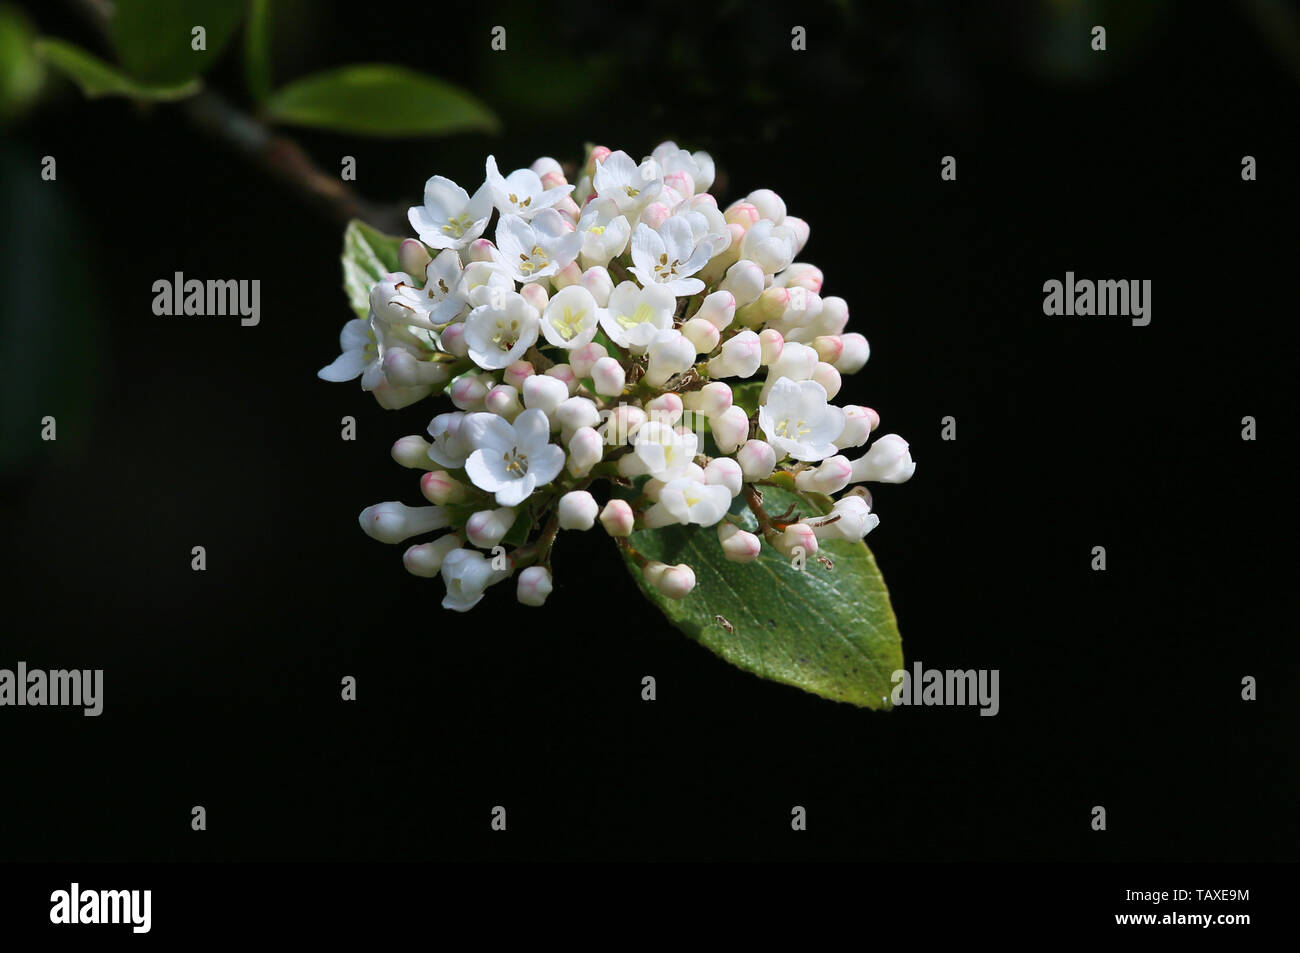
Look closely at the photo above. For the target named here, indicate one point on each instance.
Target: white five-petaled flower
(698, 165)
(360, 350)
(467, 573)
(670, 255)
(450, 218)
(604, 230)
(451, 445)
(798, 422)
(634, 314)
(661, 451)
(511, 459)
(442, 299)
(520, 193)
(630, 185)
(688, 501)
(538, 248)
(499, 334)
(571, 318)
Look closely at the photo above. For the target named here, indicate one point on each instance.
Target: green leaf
(379, 100)
(97, 78)
(745, 396)
(155, 40)
(257, 49)
(21, 70)
(368, 255)
(831, 632)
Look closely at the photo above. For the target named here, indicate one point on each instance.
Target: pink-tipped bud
(724, 471)
(800, 229)
(617, 518)
(577, 412)
(769, 204)
(742, 213)
(570, 274)
(412, 257)
(569, 209)
(565, 374)
(544, 166)
(469, 392)
(834, 315)
(854, 354)
(482, 249)
(704, 335)
(858, 424)
(453, 340)
(486, 528)
(517, 373)
(624, 421)
(829, 347)
(441, 488)
(598, 155)
(577, 509)
(771, 344)
(710, 400)
(586, 448)
(757, 460)
(798, 539)
(503, 400)
(676, 582)
(554, 179)
(534, 586)
(719, 309)
(545, 393)
(596, 279)
(738, 546)
(666, 408)
(730, 429)
(830, 476)
(745, 281)
(655, 214)
(583, 359)
(413, 452)
(535, 295)
(828, 377)
(740, 356)
(608, 377)
(801, 275)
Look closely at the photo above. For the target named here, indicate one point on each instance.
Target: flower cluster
(603, 334)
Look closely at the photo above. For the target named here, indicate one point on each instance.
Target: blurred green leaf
(97, 78)
(257, 49)
(21, 70)
(154, 39)
(379, 100)
(368, 255)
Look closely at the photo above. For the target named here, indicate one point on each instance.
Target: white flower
(669, 255)
(635, 314)
(534, 586)
(483, 282)
(886, 461)
(520, 193)
(577, 509)
(442, 299)
(449, 218)
(512, 460)
(770, 246)
(498, 336)
(798, 422)
(536, 249)
(570, 318)
(604, 230)
(698, 165)
(630, 186)
(360, 349)
(688, 501)
(660, 451)
(467, 572)
(855, 520)
(670, 352)
(451, 445)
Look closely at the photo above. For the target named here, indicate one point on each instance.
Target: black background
(1119, 688)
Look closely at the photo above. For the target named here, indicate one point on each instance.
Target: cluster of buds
(598, 338)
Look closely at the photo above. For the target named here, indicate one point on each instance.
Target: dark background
(1119, 688)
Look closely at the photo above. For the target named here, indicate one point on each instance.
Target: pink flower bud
(854, 353)
(503, 400)
(608, 377)
(469, 392)
(440, 487)
(413, 452)
(724, 471)
(704, 335)
(598, 155)
(830, 476)
(738, 546)
(742, 213)
(771, 342)
(834, 315)
(583, 359)
(577, 509)
(570, 274)
(858, 424)
(796, 537)
(719, 309)
(666, 408)
(586, 448)
(535, 295)
(745, 281)
(486, 528)
(655, 214)
(769, 204)
(757, 460)
(829, 347)
(412, 257)
(828, 377)
(596, 280)
(517, 373)
(393, 522)
(565, 374)
(482, 250)
(676, 582)
(617, 518)
(534, 586)
(554, 179)
(711, 399)
(425, 559)
(730, 428)
(453, 340)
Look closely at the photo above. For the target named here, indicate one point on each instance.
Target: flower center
(514, 200)
(533, 261)
(631, 192)
(568, 324)
(507, 334)
(783, 429)
(457, 226)
(516, 462)
(664, 270)
(641, 315)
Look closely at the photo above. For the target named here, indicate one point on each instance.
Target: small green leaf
(831, 632)
(367, 256)
(379, 100)
(97, 78)
(745, 396)
(155, 41)
(257, 49)
(21, 70)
